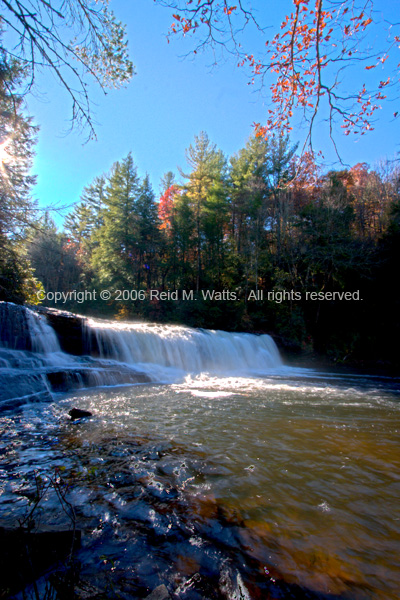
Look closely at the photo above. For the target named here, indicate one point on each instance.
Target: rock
(77, 413)
(16, 390)
(70, 329)
(14, 327)
(85, 591)
(159, 593)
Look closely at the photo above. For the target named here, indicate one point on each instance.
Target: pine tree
(148, 232)
(183, 243)
(84, 221)
(17, 210)
(248, 190)
(115, 254)
(208, 171)
(167, 180)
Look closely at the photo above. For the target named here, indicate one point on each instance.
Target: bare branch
(99, 49)
(301, 62)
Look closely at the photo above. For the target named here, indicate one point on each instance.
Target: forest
(281, 247)
(278, 243)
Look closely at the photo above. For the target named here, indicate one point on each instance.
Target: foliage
(113, 255)
(17, 137)
(17, 280)
(248, 230)
(74, 39)
(205, 192)
(54, 261)
(309, 63)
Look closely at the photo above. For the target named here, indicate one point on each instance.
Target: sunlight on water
(301, 471)
(192, 350)
(227, 469)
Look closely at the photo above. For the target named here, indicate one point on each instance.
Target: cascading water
(241, 479)
(43, 337)
(32, 364)
(23, 329)
(191, 350)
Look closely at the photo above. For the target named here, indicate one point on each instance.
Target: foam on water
(186, 349)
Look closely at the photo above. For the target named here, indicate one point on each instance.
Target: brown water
(274, 487)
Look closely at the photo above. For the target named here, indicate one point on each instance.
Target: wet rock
(14, 329)
(159, 593)
(77, 413)
(163, 492)
(16, 390)
(86, 591)
(70, 329)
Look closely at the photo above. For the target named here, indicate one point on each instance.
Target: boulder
(70, 329)
(159, 593)
(78, 413)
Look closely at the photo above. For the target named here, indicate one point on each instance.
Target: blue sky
(168, 102)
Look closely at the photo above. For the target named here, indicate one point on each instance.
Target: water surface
(283, 483)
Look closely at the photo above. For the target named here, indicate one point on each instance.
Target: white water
(21, 327)
(43, 337)
(185, 349)
(126, 353)
(292, 472)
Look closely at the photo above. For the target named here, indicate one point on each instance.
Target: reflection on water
(230, 487)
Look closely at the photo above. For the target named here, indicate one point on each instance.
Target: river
(279, 482)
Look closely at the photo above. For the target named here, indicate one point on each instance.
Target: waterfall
(191, 350)
(23, 329)
(43, 337)
(184, 348)
(33, 366)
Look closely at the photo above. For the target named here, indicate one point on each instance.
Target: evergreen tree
(116, 251)
(184, 242)
(167, 180)
(52, 257)
(83, 222)
(208, 171)
(249, 207)
(148, 232)
(17, 210)
(278, 174)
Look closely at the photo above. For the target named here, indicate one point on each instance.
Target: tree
(183, 242)
(17, 137)
(309, 63)
(83, 222)
(115, 254)
(52, 257)
(279, 173)
(167, 180)
(166, 207)
(208, 171)
(74, 39)
(148, 232)
(248, 192)
(261, 176)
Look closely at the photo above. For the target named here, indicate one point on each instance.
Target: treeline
(264, 220)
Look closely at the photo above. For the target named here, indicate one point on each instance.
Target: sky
(169, 101)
